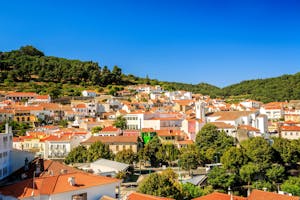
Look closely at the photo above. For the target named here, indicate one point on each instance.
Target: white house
(290, 132)
(73, 186)
(106, 167)
(88, 93)
(237, 118)
(6, 141)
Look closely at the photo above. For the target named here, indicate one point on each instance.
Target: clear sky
(214, 41)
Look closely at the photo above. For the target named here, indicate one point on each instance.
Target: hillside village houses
(179, 112)
(175, 117)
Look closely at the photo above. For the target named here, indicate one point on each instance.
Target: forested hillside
(281, 88)
(29, 69)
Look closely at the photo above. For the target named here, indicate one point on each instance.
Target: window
(291, 133)
(4, 171)
(82, 196)
(117, 147)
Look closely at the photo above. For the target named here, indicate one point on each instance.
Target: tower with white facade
(6, 143)
(200, 110)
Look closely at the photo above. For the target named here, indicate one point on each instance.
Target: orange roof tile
(219, 196)
(248, 128)
(111, 139)
(230, 115)
(42, 97)
(110, 129)
(290, 128)
(50, 185)
(81, 105)
(222, 125)
(168, 132)
(21, 94)
(262, 195)
(140, 196)
(54, 168)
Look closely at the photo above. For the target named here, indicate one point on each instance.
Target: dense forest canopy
(29, 64)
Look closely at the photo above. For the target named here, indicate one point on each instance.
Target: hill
(282, 88)
(28, 69)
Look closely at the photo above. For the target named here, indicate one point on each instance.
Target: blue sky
(192, 41)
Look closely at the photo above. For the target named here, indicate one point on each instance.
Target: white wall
(93, 193)
(18, 158)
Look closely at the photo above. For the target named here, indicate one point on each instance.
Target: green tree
(190, 158)
(167, 153)
(31, 51)
(287, 151)
(150, 150)
(233, 159)
(292, 185)
(96, 129)
(98, 150)
(77, 155)
(261, 185)
(275, 174)
(249, 172)
(126, 156)
(259, 151)
(63, 123)
(120, 122)
(219, 178)
(162, 185)
(190, 191)
(212, 142)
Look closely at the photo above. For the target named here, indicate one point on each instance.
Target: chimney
(6, 128)
(71, 180)
(63, 171)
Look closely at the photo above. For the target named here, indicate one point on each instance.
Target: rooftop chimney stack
(71, 181)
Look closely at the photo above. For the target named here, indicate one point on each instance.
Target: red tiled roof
(110, 129)
(222, 125)
(262, 195)
(42, 97)
(230, 115)
(290, 128)
(55, 184)
(248, 128)
(54, 168)
(81, 105)
(219, 196)
(140, 196)
(168, 132)
(111, 139)
(21, 94)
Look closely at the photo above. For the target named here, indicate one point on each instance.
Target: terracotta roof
(21, 94)
(230, 115)
(290, 128)
(55, 184)
(110, 129)
(111, 139)
(81, 105)
(147, 130)
(54, 168)
(219, 196)
(248, 128)
(262, 195)
(168, 132)
(42, 97)
(140, 196)
(222, 125)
